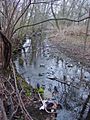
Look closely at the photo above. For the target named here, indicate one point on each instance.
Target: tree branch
(23, 13)
(12, 16)
(20, 17)
(3, 14)
(48, 21)
(45, 2)
(19, 96)
(54, 15)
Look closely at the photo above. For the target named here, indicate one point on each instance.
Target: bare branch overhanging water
(52, 19)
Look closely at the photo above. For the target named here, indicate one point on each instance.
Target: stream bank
(54, 69)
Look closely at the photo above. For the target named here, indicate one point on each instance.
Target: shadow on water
(53, 70)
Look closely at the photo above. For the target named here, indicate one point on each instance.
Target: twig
(10, 85)
(12, 16)
(2, 111)
(19, 96)
(3, 14)
(13, 113)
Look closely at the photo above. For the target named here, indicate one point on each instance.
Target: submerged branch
(62, 82)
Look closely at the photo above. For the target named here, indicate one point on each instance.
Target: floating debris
(52, 78)
(42, 65)
(40, 74)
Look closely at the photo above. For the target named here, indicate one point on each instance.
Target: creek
(51, 68)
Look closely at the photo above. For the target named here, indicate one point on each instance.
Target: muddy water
(53, 69)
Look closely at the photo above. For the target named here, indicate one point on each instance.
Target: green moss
(18, 77)
(27, 88)
(25, 85)
(27, 92)
(40, 90)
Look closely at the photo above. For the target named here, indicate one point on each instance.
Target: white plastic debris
(44, 105)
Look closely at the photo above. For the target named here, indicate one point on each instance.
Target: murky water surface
(53, 69)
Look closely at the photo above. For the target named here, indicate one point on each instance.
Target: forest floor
(72, 46)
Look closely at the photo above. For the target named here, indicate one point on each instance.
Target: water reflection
(53, 70)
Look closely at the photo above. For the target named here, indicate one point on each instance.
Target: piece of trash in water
(42, 65)
(50, 106)
(44, 105)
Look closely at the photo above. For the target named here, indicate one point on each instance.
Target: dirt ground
(73, 46)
